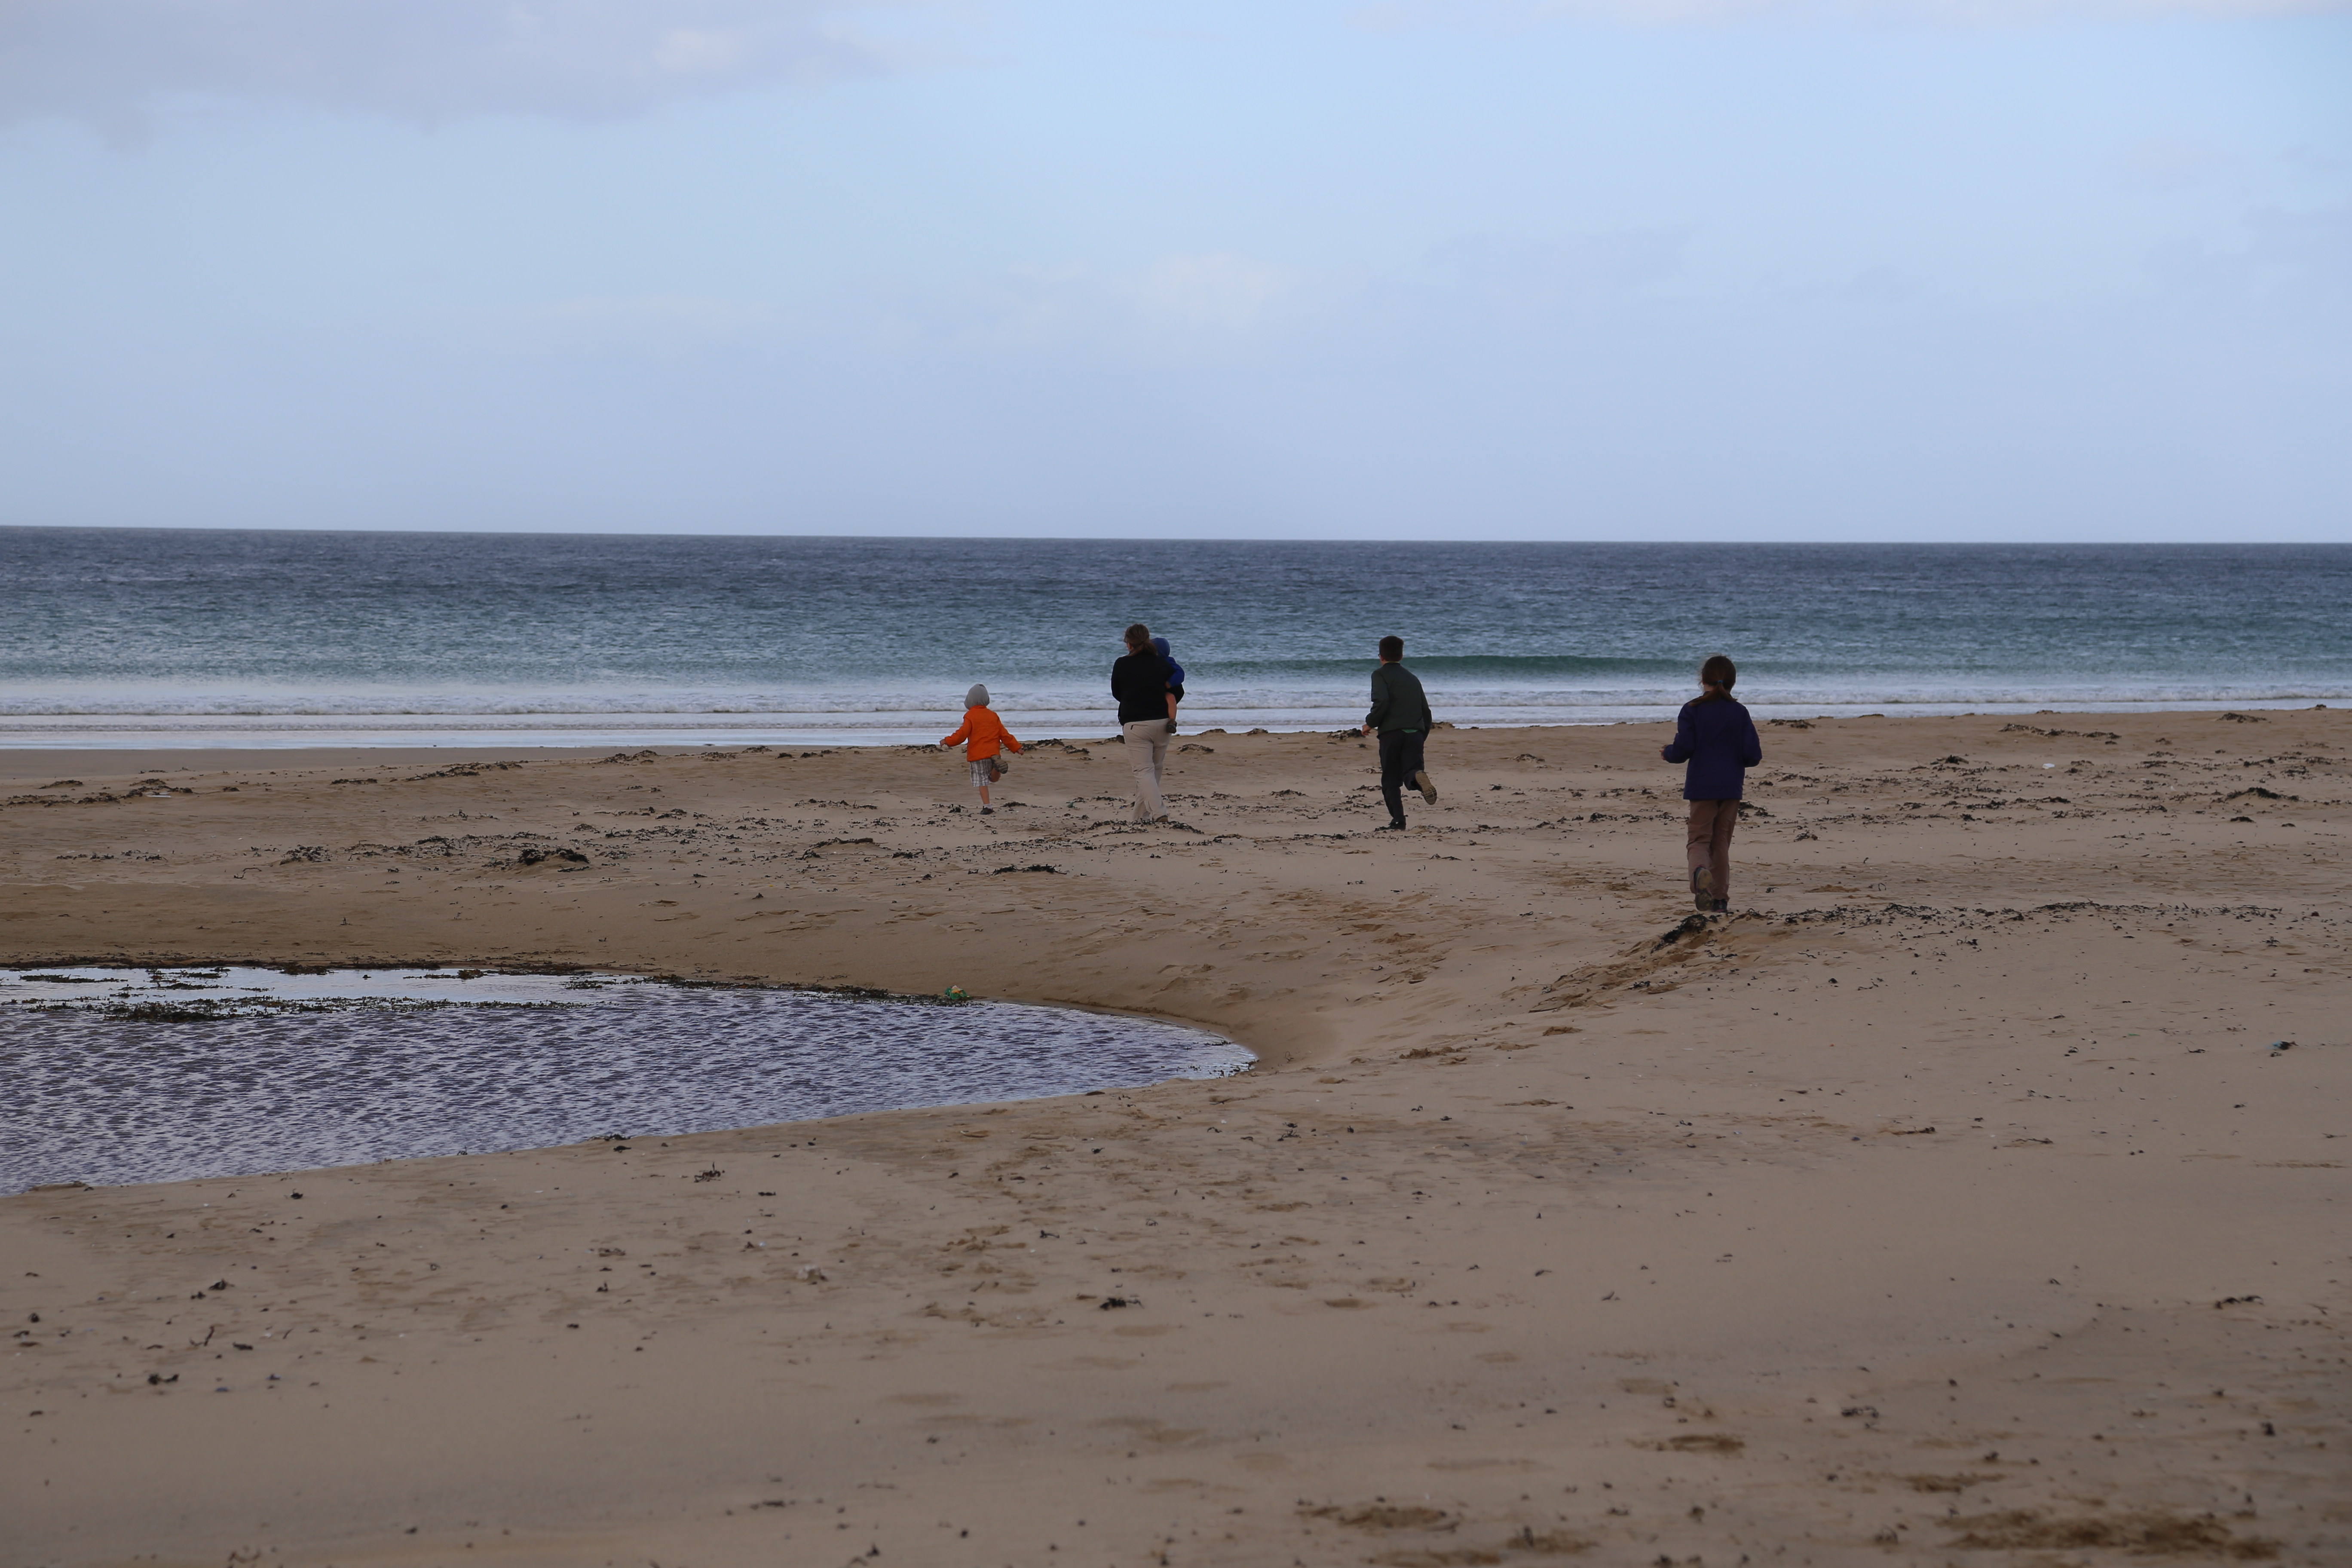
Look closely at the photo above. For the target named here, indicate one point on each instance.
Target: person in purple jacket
(1716, 738)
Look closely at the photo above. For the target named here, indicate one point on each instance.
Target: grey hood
(976, 698)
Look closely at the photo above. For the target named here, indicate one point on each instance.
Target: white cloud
(691, 51)
(1386, 15)
(116, 63)
(1216, 291)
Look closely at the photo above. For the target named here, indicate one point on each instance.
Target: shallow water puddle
(121, 1075)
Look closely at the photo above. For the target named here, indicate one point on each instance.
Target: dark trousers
(1400, 760)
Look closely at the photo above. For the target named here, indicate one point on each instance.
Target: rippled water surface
(132, 636)
(110, 1079)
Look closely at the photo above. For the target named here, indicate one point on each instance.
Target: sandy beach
(1970, 1194)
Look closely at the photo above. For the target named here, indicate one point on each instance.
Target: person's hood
(1160, 643)
(976, 698)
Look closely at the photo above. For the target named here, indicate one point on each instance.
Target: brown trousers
(1709, 842)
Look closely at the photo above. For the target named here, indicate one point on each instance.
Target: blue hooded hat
(1175, 670)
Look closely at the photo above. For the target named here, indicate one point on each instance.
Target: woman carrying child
(1716, 738)
(1147, 713)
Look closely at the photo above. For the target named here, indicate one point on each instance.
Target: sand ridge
(1948, 1202)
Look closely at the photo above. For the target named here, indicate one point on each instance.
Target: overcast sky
(1683, 270)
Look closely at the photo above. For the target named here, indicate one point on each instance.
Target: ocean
(149, 637)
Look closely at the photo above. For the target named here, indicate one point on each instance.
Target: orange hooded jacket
(985, 733)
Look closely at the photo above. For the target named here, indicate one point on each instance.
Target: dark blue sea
(213, 637)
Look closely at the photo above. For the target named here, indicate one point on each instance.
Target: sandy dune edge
(1549, 1227)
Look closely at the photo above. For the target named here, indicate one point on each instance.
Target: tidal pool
(159, 1075)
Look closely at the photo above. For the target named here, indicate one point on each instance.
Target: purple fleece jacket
(1718, 740)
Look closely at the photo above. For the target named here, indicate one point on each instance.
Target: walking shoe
(988, 810)
(1395, 827)
(1428, 790)
(1703, 887)
(1722, 905)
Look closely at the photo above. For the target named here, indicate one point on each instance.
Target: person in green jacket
(1401, 713)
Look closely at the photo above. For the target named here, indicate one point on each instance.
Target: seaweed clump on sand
(2140, 1535)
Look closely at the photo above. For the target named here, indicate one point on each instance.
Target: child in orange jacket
(983, 738)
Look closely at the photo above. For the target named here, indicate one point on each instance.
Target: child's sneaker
(1421, 780)
(988, 810)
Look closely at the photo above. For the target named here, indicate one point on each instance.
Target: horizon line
(1131, 542)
